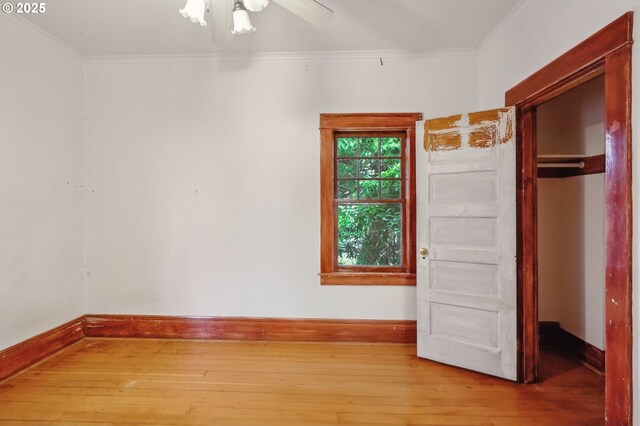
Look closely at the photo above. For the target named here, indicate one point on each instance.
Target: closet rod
(579, 165)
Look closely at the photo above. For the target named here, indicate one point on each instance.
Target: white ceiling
(154, 27)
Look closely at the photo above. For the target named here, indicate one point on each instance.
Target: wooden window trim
(330, 125)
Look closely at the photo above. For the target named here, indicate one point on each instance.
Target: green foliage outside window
(370, 234)
(369, 169)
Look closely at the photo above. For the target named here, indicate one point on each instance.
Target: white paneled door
(467, 243)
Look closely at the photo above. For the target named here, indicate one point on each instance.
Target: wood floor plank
(177, 382)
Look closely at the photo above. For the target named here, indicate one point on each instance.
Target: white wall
(540, 32)
(41, 184)
(203, 179)
(172, 229)
(571, 216)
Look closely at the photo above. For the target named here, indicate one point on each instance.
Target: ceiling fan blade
(309, 10)
(221, 20)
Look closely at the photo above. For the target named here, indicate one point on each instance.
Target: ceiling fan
(230, 17)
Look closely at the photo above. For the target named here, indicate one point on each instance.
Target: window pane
(347, 168)
(390, 168)
(390, 147)
(347, 189)
(370, 234)
(369, 168)
(369, 147)
(390, 189)
(369, 189)
(347, 147)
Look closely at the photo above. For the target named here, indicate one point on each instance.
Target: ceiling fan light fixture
(194, 11)
(255, 5)
(241, 22)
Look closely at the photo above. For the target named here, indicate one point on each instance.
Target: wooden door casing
(606, 52)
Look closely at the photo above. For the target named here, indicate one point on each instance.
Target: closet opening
(606, 53)
(571, 237)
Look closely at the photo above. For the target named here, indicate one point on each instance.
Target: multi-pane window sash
(369, 193)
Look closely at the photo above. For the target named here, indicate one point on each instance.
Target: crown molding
(502, 25)
(237, 57)
(272, 56)
(281, 56)
(42, 35)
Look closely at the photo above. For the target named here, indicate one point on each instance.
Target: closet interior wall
(571, 263)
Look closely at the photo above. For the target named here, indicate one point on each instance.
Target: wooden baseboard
(551, 334)
(175, 327)
(26, 353)
(548, 333)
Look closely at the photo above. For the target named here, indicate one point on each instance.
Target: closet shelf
(545, 159)
(559, 166)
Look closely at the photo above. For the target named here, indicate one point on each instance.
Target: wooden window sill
(368, 278)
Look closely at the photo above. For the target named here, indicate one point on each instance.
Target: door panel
(475, 279)
(467, 224)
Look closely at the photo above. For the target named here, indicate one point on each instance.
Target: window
(367, 198)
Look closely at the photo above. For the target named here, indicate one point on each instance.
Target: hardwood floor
(101, 381)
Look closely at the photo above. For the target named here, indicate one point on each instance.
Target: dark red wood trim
(592, 165)
(552, 335)
(527, 241)
(593, 71)
(368, 278)
(618, 238)
(410, 205)
(609, 52)
(369, 121)
(26, 353)
(582, 57)
(387, 331)
(327, 217)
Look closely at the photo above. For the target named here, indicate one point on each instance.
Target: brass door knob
(423, 251)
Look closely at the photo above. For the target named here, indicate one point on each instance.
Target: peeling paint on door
(463, 131)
